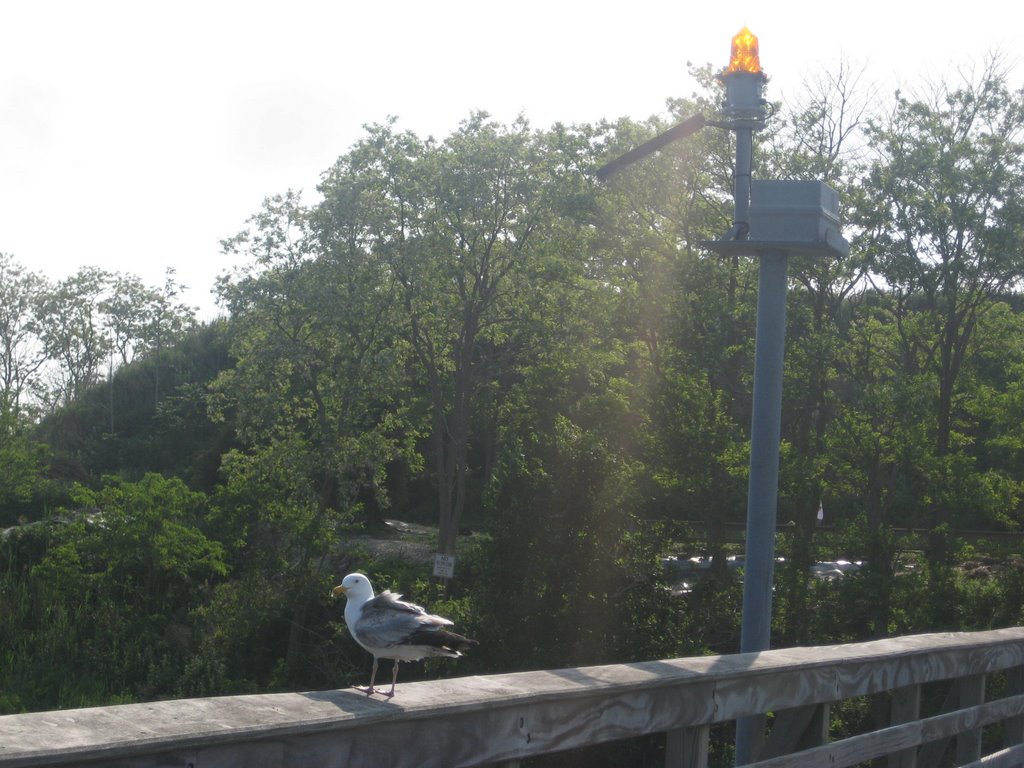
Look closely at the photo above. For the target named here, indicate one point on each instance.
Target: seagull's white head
(355, 586)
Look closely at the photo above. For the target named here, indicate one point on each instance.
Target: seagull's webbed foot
(370, 690)
(394, 679)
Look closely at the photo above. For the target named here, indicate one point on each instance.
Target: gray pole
(762, 489)
(741, 184)
(804, 216)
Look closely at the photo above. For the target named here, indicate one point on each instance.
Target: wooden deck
(502, 718)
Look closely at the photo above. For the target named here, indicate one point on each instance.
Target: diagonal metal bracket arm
(687, 127)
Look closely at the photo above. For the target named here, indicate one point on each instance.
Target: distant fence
(501, 719)
(735, 533)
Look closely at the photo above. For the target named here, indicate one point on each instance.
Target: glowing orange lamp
(744, 55)
(743, 80)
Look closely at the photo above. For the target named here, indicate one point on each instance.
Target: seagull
(389, 628)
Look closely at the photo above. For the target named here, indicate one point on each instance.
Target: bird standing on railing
(389, 628)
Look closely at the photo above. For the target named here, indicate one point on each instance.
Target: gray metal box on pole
(801, 214)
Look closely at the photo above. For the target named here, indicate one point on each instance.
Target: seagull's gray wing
(386, 621)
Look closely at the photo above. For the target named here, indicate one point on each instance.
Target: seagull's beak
(338, 591)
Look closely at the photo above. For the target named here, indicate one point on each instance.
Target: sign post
(444, 566)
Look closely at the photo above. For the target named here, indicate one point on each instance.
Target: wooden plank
(904, 708)
(787, 729)
(354, 729)
(868, 746)
(687, 747)
(968, 742)
(479, 720)
(932, 752)
(1013, 729)
(817, 732)
(1010, 757)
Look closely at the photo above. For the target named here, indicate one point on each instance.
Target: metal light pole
(763, 483)
(745, 109)
(744, 81)
(772, 219)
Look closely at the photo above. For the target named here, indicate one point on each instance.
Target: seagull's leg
(394, 678)
(373, 676)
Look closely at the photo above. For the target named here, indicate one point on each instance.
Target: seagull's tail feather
(443, 642)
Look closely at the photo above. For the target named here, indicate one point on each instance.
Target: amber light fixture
(744, 55)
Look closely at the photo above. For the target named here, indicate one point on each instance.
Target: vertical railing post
(817, 732)
(687, 747)
(968, 743)
(905, 708)
(1013, 729)
(795, 729)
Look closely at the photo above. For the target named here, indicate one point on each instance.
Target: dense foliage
(473, 333)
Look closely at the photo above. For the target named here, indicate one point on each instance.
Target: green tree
(316, 394)
(167, 320)
(996, 401)
(820, 138)
(943, 210)
(879, 448)
(464, 229)
(22, 466)
(127, 310)
(105, 611)
(21, 352)
(681, 313)
(73, 334)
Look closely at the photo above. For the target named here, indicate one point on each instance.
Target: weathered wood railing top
(479, 720)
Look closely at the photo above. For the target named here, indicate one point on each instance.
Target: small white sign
(444, 566)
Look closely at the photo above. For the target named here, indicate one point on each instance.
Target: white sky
(134, 136)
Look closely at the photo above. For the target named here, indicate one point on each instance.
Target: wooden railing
(503, 718)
